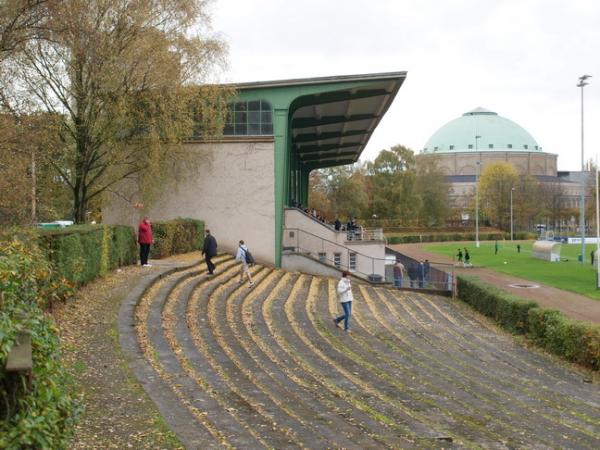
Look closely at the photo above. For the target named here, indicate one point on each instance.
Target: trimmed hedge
(177, 236)
(81, 253)
(43, 417)
(434, 237)
(578, 342)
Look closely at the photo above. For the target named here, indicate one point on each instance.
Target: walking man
(344, 291)
(244, 269)
(459, 256)
(209, 251)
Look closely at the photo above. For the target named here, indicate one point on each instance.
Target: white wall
(231, 188)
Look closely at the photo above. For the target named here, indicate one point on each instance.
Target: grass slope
(569, 274)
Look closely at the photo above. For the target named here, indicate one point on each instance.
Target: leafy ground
(568, 274)
(117, 412)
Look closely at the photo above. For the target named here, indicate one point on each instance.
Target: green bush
(82, 253)
(177, 236)
(575, 341)
(442, 237)
(44, 416)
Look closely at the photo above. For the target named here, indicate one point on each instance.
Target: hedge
(81, 253)
(575, 341)
(442, 237)
(43, 417)
(176, 236)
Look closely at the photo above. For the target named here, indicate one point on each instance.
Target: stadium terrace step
(238, 366)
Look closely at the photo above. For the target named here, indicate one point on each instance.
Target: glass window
(525, 146)
(252, 118)
(452, 147)
(509, 145)
(322, 257)
(491, 146)
(337, 260)
(352, 261)
(470, 146)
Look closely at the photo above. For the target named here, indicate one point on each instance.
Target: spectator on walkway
(518, 248)
(413, 270)
(337, 224)
(398, 273)
(421, 274)
(209, 251)
(350, 229)
(426, 267)
(467, 258)
(496, 247)
(145, 239)
(244, 269)
(344, 290)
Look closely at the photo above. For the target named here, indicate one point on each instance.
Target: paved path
(232, 366)
(572, 305)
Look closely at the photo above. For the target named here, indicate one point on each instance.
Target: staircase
(233, 366)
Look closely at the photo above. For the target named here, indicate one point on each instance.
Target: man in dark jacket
(209, 250)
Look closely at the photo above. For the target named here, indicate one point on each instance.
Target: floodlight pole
(477, 194)
(511, 213)
(581, 84)
(597, 254)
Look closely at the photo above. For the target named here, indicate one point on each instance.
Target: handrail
(332, 242)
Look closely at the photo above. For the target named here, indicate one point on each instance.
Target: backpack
(248, 257)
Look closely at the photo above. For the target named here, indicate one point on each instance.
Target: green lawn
(569, 274)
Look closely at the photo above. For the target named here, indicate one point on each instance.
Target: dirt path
(117, 413)
(572, 305)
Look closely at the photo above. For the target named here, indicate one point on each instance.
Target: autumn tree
(432, 190)
(118, 76)
(392, 183)
(495, 185)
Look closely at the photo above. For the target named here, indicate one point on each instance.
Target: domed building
(466, 145)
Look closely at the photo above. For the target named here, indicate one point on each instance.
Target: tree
(432, 190)
(117, 75)
(495, 186)
(391, 181)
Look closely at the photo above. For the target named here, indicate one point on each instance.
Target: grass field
(569, 274)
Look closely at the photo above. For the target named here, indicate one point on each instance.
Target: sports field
(568, 274)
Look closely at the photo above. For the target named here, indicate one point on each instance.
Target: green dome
(495, 132)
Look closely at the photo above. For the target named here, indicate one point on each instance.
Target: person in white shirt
(241, 257)
(344, 290)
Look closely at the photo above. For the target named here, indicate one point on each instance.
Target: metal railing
(438, 276)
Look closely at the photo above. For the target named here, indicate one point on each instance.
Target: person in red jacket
(145, 240)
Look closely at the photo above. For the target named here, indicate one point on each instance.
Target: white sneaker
(147, 265)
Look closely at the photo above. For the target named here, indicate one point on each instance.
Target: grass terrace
(569, 274)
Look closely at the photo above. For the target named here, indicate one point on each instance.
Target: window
(292, 234)
(352, 261)
(491, 146)
(509, 145)
(337, 260)
(525, 146)
(470, 146)
(322, 257)
(452, 147)
(435, 149)
(252, 118)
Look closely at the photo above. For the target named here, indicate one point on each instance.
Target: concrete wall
(231, 188)
(526, 163)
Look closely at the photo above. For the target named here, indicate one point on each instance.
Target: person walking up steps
(344, 290)
(209, 251)
(242, 256)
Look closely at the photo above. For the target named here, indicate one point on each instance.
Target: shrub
(82, 253)
(177, 236)
(575, 341)
(441, 237)
(44, 416)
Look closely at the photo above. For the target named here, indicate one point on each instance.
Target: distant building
(465, 146)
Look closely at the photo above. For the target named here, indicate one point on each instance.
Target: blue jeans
(346, 316)
(398, 281)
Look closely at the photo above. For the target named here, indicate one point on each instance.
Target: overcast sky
(519, 58)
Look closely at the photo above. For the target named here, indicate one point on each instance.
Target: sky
(519, 58)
